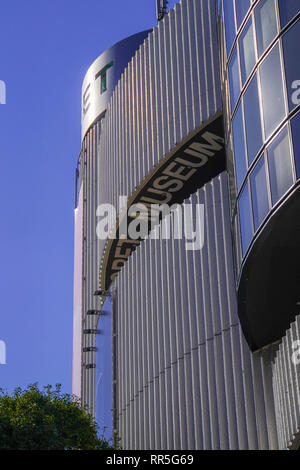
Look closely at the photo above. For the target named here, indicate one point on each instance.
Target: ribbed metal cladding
(286, 385)
(185, 376)
(89, 176)
(169, 88)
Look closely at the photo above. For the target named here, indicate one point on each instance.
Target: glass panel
(103, 77)
(280, 165)
(239, 148)
(234, 79)
(103, 82)
(290, 42)
(245, 218)
(259, 192)
(231, 174)
(296, 141)
(237, 244)
(288, 9)
(241, 8)
(266, 24)
(252, 120)
(229, 24)
(247, 53)
(272, 91)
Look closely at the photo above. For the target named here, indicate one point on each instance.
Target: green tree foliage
(32, 419)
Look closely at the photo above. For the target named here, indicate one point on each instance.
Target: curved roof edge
(103, 75)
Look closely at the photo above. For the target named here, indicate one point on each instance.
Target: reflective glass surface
(288, 9)
(239, 148)
(290, 41)
(295, 123)
(247, 53)
(237, 242)
(280, 165)
(264, 167)
(229, 24)
(234, 79)
(252, 120)
(259, 192)
(103, 83)
(272, 91)
(245, 218)
(241, 8)
(266, 24)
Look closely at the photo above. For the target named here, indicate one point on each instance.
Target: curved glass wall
(261, 72)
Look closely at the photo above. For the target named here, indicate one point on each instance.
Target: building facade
(201, 341)
(97, 89)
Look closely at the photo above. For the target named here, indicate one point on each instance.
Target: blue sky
(46, 48)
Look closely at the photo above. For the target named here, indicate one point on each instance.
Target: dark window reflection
(266, 24)
(245, 218)
(229, 24)
(234, 79)
(292, 64)
(241, 8)
(247, 53)
(252, 120)
(280, 165)
(296, 141)
(239, 148)
(237, 243)
(259, 192)
(288, 9)
(272, 91)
